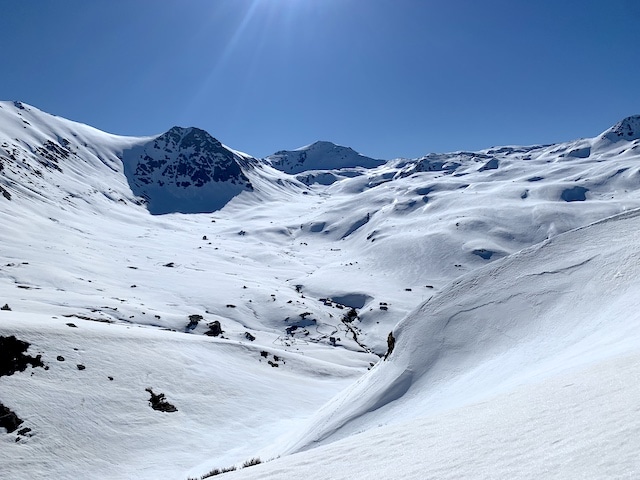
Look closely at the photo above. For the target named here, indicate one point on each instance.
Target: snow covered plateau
(172, 307)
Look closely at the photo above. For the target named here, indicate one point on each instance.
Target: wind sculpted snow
(539, 313)
(249, 316)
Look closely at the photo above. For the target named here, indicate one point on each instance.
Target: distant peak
(197, 132)
(320, 155)
(626, 129)
(325, 145)
(186, 130)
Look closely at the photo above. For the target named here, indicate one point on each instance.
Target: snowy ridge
(47, 158)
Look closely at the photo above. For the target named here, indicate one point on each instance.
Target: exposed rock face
(13, 357)
(185, 170)
(9, 420)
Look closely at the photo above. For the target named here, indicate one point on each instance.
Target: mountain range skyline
(387, 78)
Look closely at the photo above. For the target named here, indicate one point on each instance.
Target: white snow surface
(507, 276)
(320, 155)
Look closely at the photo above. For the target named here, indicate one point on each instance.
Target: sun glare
(256, 23)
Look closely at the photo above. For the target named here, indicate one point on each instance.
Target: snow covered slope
(527, 367)
(49, 160)
(581, 424)
(282, 291)
(542, 310)
(320, 156)
(626, 129)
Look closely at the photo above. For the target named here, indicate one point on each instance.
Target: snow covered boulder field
(172, 308)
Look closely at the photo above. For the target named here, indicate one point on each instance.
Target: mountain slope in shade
(185, 170)
(320, 156)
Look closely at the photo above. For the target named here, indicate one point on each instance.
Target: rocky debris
(215, 329)
(13, 357)
(159, 402)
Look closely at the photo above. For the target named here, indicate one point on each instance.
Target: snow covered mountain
(186, 170)
(320, 156)
(627, 129)
(181, 306)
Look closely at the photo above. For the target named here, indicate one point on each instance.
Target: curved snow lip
(526, 317)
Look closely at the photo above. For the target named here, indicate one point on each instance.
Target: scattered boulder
(350, 316)
(159, 402)
(9, 420)
(5, 193)
(193, 322)
(215, 329)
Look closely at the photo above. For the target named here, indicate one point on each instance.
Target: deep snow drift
(249, 316)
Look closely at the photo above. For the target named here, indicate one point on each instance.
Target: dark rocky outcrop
(159, 402)
(185, 170)
(13, 357)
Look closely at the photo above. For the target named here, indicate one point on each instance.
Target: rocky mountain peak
(185, 170)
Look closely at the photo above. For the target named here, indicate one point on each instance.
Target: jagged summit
(626, 129)
(321, 155)
(185, 170)
(192, 136)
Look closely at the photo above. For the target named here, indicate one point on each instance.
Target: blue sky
(389, 78)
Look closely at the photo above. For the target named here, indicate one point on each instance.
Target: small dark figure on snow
(391, 342)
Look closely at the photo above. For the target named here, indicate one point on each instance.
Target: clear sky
(389, 78)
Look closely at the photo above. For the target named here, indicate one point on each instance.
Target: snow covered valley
(171, 306)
